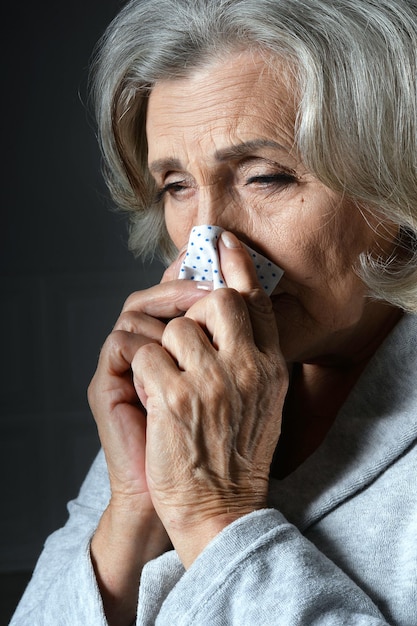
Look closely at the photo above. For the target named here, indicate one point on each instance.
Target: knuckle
(229, 305)
(258, 301)
(177, 326)
(130, 301)
(226, 299)
(114, 341)
(128, 321)
(144, 352)
(176, 323)
(114, 349)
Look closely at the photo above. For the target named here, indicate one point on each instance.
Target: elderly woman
(260, 456)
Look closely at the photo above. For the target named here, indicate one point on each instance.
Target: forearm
(125, 540)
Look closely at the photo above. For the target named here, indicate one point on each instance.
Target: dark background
(64, 272)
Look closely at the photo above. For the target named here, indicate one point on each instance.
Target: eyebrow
(162, 165)
(225, 154)
(246, 147)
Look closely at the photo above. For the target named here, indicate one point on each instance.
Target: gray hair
(355, 67)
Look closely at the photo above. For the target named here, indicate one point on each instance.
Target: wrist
(125, 540)
(190, 536)
(132, 527)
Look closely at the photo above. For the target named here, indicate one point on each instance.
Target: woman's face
(221, 149)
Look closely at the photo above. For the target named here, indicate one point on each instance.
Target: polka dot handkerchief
(201, 261)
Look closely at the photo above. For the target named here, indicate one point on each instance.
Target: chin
(299, 341)
(293, 336)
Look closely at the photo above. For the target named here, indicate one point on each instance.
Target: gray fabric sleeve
(63, 589)
(259, 570)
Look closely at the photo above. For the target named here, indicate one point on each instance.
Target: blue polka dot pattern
(201, 261)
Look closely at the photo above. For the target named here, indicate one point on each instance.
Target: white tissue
(201, 261)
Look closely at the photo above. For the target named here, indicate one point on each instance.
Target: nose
(216, 206)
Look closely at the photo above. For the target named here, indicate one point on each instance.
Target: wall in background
(64, 268)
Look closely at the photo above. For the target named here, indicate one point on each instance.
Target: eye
(176, 188)
(281, 179)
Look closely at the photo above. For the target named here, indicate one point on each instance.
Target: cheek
(330, 246)
(178, 226)
(320, 261)
(325, 285)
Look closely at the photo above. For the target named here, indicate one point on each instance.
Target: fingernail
(204, 286)
(230, 240)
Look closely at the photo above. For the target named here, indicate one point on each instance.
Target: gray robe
(338, 544)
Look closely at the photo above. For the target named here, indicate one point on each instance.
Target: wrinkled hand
(214, 386)
(120, 417)
(130, 532)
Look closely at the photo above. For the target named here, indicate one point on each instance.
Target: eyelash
(175, 186)
(281, 180)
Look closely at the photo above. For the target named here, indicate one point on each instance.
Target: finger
(226, 319)
(188, 344)
(236, 264)
(235, 321)
(264, 325)
(240, 273)
(152, 368)
(111, 385)
(166, 300)
(118, 351)
(140, 324)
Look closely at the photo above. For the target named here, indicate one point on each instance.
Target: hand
(130, 532)
(120, 416)
(214, 387)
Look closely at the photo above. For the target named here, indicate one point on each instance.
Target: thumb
(237, 267)
(239, 273)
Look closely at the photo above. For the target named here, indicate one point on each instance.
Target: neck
(317, 391)
(360, 343)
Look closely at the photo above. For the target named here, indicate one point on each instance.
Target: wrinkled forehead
(232, 100)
